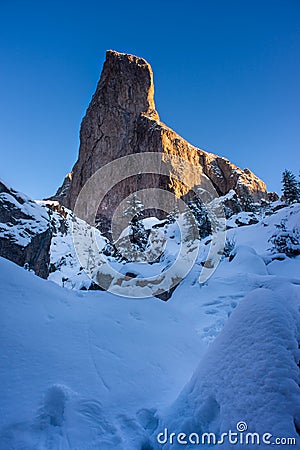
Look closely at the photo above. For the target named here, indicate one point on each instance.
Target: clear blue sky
(226, 76)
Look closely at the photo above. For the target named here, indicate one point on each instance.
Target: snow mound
(248, 374)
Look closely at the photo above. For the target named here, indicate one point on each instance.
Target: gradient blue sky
(226, 76)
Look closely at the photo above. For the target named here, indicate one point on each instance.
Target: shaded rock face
(121, 119)
(25, 231)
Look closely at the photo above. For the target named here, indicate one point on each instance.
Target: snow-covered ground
(91, 370)
(77, 367)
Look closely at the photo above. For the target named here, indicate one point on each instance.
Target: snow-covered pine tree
(173, 214)
(138, 234)
(248, 203)
(201, 216)
(290, 187)
(286, 241)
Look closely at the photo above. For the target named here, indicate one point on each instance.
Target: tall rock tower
(120, 120)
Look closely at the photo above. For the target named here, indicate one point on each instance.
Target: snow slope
(77, 367)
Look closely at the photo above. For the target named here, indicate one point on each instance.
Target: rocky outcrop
(63, 189)
(121, 119)
(25, 231)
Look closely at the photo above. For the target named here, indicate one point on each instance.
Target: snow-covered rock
(25, 231)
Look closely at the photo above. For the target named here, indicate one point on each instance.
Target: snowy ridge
(30, 217)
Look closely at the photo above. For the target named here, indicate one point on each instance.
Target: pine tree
(201, 216)
(137, 233)
(173, 214)
(285, 240)
(248, 203)
(290, 187)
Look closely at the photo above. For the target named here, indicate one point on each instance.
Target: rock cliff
(25, 231)
(120, 120)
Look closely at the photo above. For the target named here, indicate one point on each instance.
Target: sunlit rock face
(120, 120)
